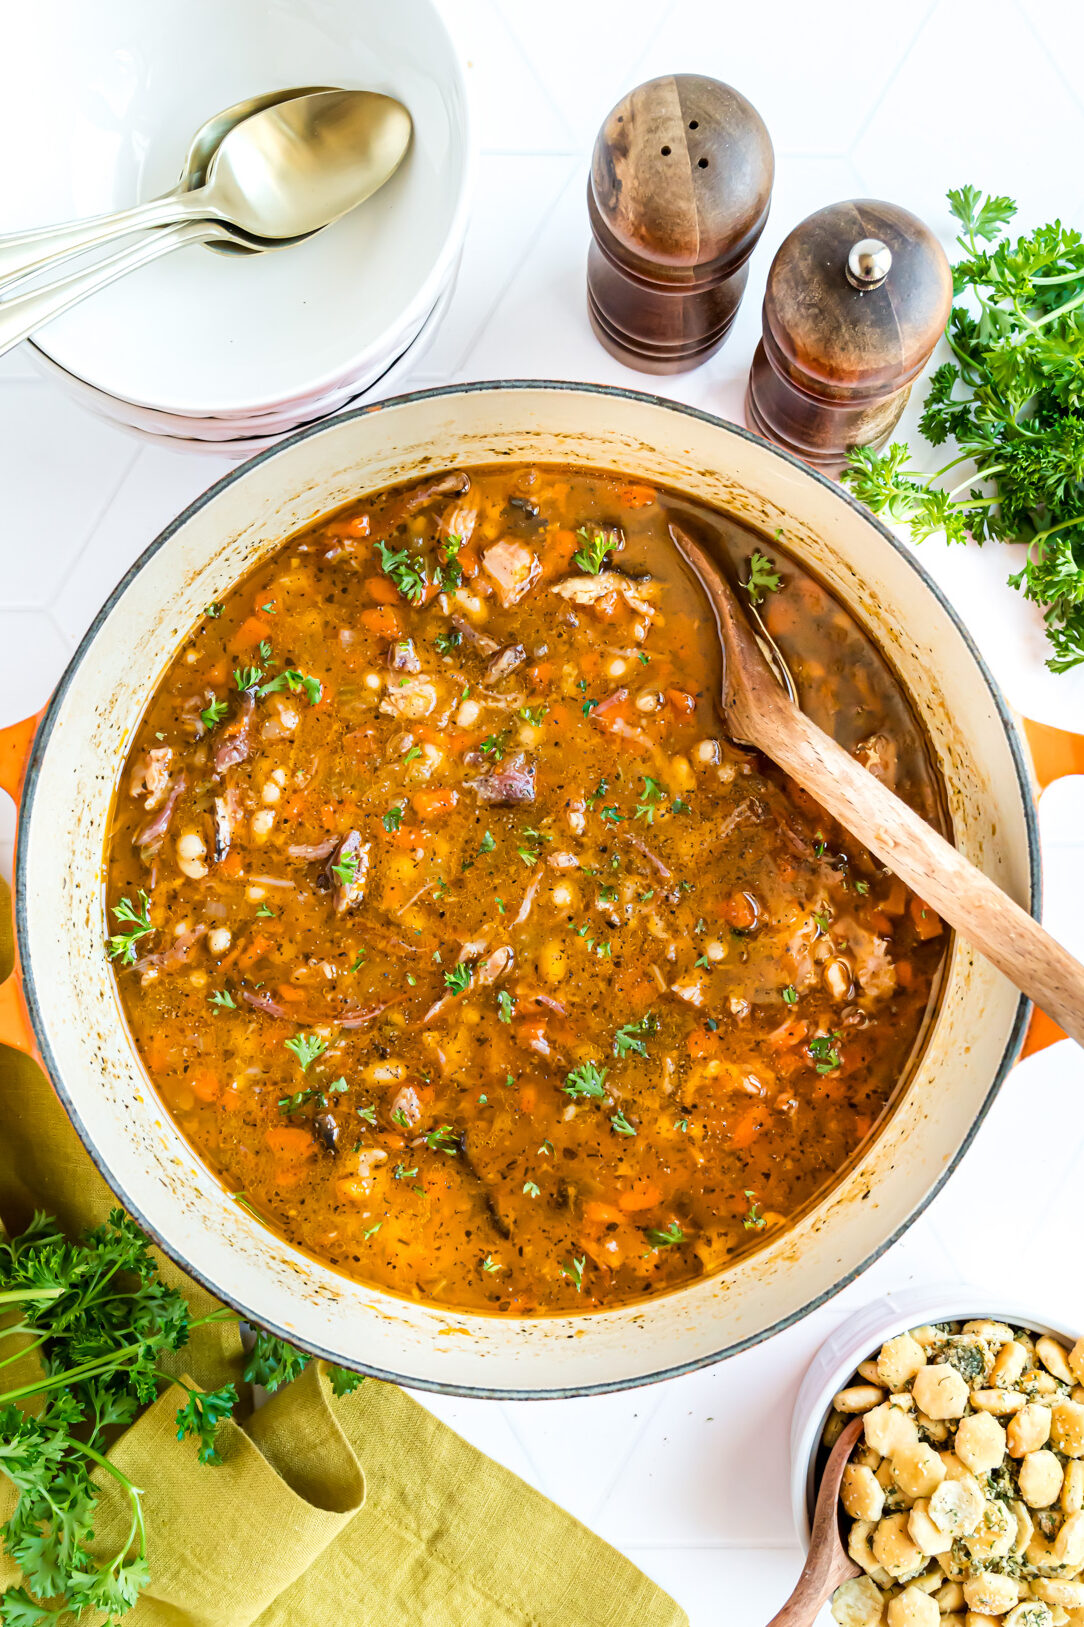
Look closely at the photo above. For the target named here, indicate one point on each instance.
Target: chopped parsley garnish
(861, 886)
(442, 1140)
(487, 844)
(680, 806)
(682, 1125)
(621, 1124)
(573, 1270)
(449, 641)
(346, 869)
(653, 794)
(790, 995)
(586, 1080)
(763, 578)
(666, 1238)
(450, 572)
(531, 1190)
(493, 746)
(399, 1117)
(306, 1048)
(528, 855)
(822, 1050)
(628, 1041)
(214, 610)
(411, 755)
(294, 681)
(597, 794)
(754, 1220)
(401, 1173)
(595, 544)
(247, 678)
(138, 922)
(292, 1104)
(223, 999)
(368, 1114)
(212, 716)
(393, 819)
(822, 920)
(702, 960)
(611, 815)
(505, 1005)
(490, 1264)
(265, 911)
(371, 1231)
(406, 570)
(533, 714)
(546, 1149)
(458, 979)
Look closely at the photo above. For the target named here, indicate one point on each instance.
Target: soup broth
(458, 939)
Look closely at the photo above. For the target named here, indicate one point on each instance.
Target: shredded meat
(513, 782)
(234, 742)
(481, 641)
(403, 657)
(589, 589)
(153, 833)
(410, 698)
(504, 663)
(512, 568)
(449, 485)
(313, 850)
(348, 867)
(167, 960)
(150, 777)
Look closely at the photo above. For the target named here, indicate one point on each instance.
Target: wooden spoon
(827, 1563)
(759, 711)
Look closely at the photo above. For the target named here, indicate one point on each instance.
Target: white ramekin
(862, 1335)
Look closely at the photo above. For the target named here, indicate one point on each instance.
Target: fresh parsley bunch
(99, 1319)
(1013, 403)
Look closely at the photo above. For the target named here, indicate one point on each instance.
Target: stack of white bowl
(227, 353)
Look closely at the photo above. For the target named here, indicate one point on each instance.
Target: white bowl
(863, 1335)
(241, 437)
(126, 84)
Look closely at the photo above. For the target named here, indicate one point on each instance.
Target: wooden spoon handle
(827, 1564)
(961, 894)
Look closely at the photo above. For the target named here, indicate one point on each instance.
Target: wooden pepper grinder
(857, 297)
(681, 181)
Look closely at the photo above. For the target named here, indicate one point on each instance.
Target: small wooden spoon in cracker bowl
(963, 1498)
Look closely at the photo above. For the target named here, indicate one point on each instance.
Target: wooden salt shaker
(857, 297)
(680, 184)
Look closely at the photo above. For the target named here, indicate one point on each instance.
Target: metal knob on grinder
(857, 297)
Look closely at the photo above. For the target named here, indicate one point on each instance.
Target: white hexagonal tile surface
(900, 101)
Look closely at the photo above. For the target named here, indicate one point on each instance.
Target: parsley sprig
(763, 577)
(122, 945)
(1011, 402)
(100, 1319)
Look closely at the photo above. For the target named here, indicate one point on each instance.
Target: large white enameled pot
(72, 1000)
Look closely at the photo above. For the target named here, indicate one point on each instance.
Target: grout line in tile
(625, 1459)
(513, 39)
(95, 526)
(495, 304)
(901, 60)
(1048, 54)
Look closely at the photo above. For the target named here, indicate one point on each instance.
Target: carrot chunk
(681, 701)
(251, 631)
(205, 1085)
(740, 911)
(635, 496)
(927, 921)
(383, 622)
(601, 1214)
(287, 1142)
(381, 590)
(431, 804)
(642, 1194)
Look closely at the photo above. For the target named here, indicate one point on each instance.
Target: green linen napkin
(364, 1509)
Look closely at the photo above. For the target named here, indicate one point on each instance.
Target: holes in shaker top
(665, 152)
(694, 124)
(702, 163)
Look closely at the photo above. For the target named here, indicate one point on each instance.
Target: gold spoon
(346, 140)
(22, 254)
(759, 711)
(827, 1563)
(279, 175)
